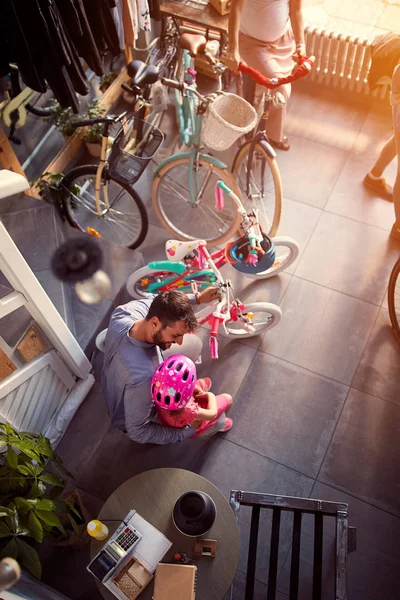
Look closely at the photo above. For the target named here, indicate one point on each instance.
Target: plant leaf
(5, 531)
(22, 505)
(35, 527)
(5, 512)
(48, 517)
(9, 429)
(26, 447)
(44, 447)
(73, 523)
(47, 505)
(10, 549)
(12, 458)
(24, 469)
(29, 558)
(74, 509)
(52, 479)
(37, 490)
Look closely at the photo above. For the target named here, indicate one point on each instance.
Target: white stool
(100, 340)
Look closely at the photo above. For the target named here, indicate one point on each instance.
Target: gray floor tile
(367, 434)
(316, 166)
(390, 19)
(85, 432)
(232, 467)
(323, 116)
(377, 129)
(379, 370)
(87, 318)
(351, 198)
(19, 202)
(321, 330)
(372, 568)
(117, 459)
(33, 232)
(298, 221)
(349, 257)
(12, 327)
(59, 293)
(286, 413)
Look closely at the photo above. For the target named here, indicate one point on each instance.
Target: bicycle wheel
(125, 222)
(38, 105)
(265, 316)
(139, 282)
(394, 299)
(265, 188)
(287, 250)
(187, 221)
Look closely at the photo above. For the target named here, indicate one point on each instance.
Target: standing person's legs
(271, 59)
(190, 347)
(396, 188)
(374, 179)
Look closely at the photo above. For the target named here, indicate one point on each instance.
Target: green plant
(92, 134)
(62, 118)
(49, 188)
(30, 495)
(107, 79)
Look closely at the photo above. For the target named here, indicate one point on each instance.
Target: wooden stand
(9, 160)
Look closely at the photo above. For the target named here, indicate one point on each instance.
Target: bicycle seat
(141, 73)
(193, 42)
(176, 250)
(12, 183)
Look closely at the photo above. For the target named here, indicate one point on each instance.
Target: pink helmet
(173, 382)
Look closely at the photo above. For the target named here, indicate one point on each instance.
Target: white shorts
(396, 117)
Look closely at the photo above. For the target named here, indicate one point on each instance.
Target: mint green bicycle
(183, 189)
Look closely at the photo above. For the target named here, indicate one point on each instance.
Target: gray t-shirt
(128, 367)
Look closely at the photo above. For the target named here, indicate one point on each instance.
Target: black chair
(345, 541)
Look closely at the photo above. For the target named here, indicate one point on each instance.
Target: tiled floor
(317, 400)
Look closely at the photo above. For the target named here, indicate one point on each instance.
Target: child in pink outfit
(202, 410)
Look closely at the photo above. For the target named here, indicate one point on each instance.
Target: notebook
(175, 581)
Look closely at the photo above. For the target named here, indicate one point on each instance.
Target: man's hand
(208, 295)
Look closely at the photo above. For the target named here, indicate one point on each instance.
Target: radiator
(342, 61)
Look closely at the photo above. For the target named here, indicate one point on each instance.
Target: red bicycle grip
(216, 321)
(274, 82)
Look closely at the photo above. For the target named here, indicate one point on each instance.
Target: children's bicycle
(191, 266)
(99, 199)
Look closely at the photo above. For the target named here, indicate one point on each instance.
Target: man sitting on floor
(136, 334)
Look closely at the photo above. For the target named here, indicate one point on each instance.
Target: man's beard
(157, 339)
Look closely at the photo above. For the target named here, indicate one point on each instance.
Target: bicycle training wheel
(265, 188)
(139, 282)
(264, 316)
(200, 220)
(124, 222)
(394, 299)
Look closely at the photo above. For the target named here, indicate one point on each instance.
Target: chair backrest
(298, 507)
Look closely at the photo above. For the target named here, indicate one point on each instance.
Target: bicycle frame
(190, 123)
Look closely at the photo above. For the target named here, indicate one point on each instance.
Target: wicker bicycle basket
(134, 146)
(227, 118)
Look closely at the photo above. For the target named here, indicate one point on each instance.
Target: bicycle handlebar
(272, 83)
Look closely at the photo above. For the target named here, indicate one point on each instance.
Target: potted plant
(92, 134)
(49, 188)
(107, 79)
(62, 119)
(32, 480)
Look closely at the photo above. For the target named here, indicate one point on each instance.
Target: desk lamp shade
(194, 513)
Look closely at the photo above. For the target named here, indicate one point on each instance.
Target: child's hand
(197, 390)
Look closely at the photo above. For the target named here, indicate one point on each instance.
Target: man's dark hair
(170, 307)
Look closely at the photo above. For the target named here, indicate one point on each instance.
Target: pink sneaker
(228, 425)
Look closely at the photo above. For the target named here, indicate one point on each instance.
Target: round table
(153, 495)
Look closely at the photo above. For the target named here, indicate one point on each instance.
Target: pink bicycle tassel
(253, 258)
(219, 198)
(213, 347)
(201, 258)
